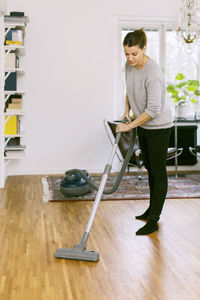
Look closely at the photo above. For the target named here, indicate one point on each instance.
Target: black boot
(148, 228)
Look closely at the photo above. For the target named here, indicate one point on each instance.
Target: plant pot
(182, 111)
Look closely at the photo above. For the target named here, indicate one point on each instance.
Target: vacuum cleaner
(75, 185)
(79, 252)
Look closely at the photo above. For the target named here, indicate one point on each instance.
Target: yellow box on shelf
(14, 43)
(11, 125)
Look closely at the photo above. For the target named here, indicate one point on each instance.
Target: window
(164, 47)
(180, 58)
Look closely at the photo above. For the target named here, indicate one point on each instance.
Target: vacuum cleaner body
(75, 185)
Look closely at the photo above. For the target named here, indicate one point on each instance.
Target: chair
(123, 145)
(136, 158)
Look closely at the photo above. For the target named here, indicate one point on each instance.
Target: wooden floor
(163, 265)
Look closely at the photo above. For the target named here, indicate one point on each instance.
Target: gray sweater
(146, 93)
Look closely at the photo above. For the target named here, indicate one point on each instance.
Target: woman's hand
(123, 127)
(126, 116)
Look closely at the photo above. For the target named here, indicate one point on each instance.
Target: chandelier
(189, 21)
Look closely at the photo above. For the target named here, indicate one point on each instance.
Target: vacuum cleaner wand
(79, 251)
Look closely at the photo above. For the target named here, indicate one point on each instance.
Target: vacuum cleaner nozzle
(77, 254)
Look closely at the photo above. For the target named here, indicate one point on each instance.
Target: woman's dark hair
(136, 38)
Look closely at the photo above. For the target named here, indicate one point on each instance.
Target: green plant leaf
(171, 88)
(197, 92)
(181, 84)
(193, 100)
(182, 98)
(175, 97)
(191, 88)
(179, 76)
(175, 93)
(193, 82)
(188, 89)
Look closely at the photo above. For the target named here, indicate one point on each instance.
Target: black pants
(154, 144)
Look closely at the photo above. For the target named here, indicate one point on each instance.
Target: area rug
(185, 186)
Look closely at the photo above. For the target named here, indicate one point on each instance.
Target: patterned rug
(185, 186)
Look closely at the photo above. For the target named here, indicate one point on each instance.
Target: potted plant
(184, 92)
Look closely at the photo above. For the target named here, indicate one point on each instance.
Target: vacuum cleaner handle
(118, 136)
(79, 251)
(116, 142)
(124, 121)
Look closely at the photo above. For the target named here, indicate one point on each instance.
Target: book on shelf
(10, 61)
(19, 43)
(11, 125)
(14, 153)
(16, 99)
(11, 82)
(16, 19)
(15, 36)
(14, 105)
(17, 13)
(14, 111)
(12, 142)
(15, 148)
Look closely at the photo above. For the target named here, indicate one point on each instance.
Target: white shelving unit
(14, 114)
(4, 95)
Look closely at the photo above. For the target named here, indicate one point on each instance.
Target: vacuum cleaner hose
(119, 177)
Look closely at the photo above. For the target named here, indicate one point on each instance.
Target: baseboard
(115, 170)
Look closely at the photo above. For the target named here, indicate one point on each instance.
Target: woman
(152, 116)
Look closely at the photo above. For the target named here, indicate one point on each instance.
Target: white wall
(3, 5)
(69, 86)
